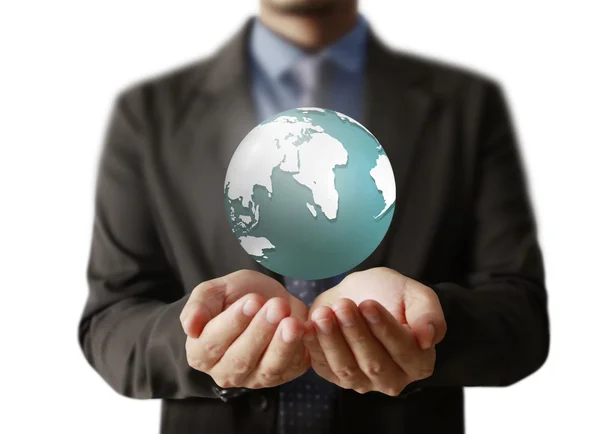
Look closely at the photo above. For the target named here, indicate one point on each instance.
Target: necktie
(306, 403)
(311, 76)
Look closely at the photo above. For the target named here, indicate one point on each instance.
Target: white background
(62, 62)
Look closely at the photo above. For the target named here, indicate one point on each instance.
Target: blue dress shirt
(271, 57)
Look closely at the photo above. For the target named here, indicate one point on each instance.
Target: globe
(309, 193)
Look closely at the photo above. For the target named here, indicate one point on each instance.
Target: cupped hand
(245, 330)
(375, 331)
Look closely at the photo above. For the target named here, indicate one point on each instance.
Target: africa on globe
(310, 193)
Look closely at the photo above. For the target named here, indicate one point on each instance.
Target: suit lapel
(227, 96)
(227, 112)
(395, 112)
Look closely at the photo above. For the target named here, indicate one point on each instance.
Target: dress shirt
(272, 58)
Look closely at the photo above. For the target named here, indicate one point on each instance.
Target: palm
(236, 285)
(383, 285)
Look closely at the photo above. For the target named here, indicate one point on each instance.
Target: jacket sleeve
(497, 319)
(130, 331)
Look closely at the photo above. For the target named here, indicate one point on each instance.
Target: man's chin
(304, 7)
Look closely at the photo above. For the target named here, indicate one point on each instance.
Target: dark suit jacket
(462, 224)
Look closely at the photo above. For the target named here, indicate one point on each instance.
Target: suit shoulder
(442, 77)
(167, 90)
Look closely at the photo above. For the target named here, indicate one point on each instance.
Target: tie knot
(309, 72)
(310, 76)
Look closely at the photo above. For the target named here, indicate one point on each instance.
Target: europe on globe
(310, 193)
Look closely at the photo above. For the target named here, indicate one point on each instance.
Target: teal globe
(310, 193)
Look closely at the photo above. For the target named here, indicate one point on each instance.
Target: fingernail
(371, 314)
(274, 314)
(346, 317)
(428, 341)
(288, 335)
(251, 307)
(186, 323)
(325, 325)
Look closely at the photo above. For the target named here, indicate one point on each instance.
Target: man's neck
(311, 31)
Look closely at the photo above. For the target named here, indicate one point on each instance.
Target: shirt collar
(277, 55)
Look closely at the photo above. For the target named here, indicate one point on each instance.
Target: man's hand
(245, 330)
(375, 331)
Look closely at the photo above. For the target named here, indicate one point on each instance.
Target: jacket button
(259, 402)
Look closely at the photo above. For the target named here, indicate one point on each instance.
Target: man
(454, 296)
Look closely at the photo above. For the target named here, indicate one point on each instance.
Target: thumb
(424, 315)
(204, 303)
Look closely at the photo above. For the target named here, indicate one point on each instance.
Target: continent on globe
(315, 160)
(383, 175)
(255, 246)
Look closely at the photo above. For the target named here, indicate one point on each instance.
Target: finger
(204, 303)
(318, 360)
(398, 340)
(284, 358)
(243, 355)
(337, 352)
(194, 318)
(222, 331)
(372, 358)
(429, 330)
(424, 314)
